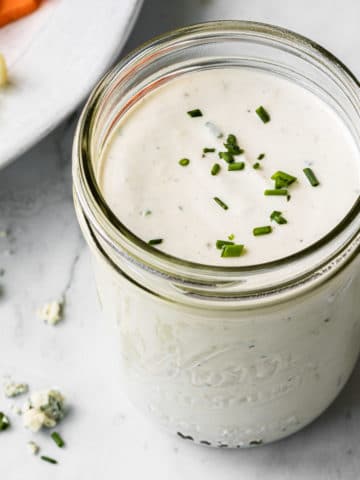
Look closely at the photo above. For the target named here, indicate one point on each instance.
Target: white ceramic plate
(54, 57)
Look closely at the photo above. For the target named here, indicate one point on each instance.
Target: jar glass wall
(232, 356)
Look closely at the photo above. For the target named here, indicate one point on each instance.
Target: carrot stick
(11, 10)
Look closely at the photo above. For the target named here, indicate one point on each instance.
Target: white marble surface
(45, 257)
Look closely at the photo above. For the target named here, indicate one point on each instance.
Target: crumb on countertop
(44, 409)
(51, 312)
(33, 447)
(13, 389)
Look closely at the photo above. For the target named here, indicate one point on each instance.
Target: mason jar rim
(116, 234)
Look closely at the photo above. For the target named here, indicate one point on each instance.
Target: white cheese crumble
(3, 71)
(51, 312)
(33, 448)
(44, 409)
(13, 389)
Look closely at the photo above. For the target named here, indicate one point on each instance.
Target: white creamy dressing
(218, 376)
(141, 173)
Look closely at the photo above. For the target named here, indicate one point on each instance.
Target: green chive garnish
(283, 179)
(277, 217)
(232, 146)
(256, 166)
(155, 241)
(48, 459)
(221, 243)
(215, 169)
(195, 113)
(231, 236)
(232, 250)
(4, 422)
(263, 114)
(221, 203)
(262, 230)
(208, 150)
(231, 139)
(280, 191)
(310, 175)
(236, 166)
(57, 439)
(227, 156)
(184, 162)
(261, 156)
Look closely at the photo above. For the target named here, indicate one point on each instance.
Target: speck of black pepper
(185, 437)
(252, 346)
(223, 445)
(327, 320)
(205, 442)
(349, 451)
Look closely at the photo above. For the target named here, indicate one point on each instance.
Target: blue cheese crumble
(44, 409)
(13, 389)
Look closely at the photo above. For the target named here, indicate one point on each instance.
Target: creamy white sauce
(141, 172)
(216, 375)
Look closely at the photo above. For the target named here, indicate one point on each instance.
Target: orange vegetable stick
(11, 10)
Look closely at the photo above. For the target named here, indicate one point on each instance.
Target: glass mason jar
(223, 356)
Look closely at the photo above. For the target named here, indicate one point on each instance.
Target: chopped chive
(184, 162)
(227, 156)
(263, 114)
(57, 439)
(215, 169)
(147, 213)
(4, 422)
(231, 139)
(195, 113)
(231, 236)
(48, 459)
(283, 179)
(208, 150)
(277, 217)
(310, 175)
(232, 250)
(155, 241)
(234, 149)
(221, 203)
(236, 166)
(221, 243)
(232, 146)
(262, 230)
(261, 156)
(280, 183)
(288, 197)
(256, 166)
(281, 191)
